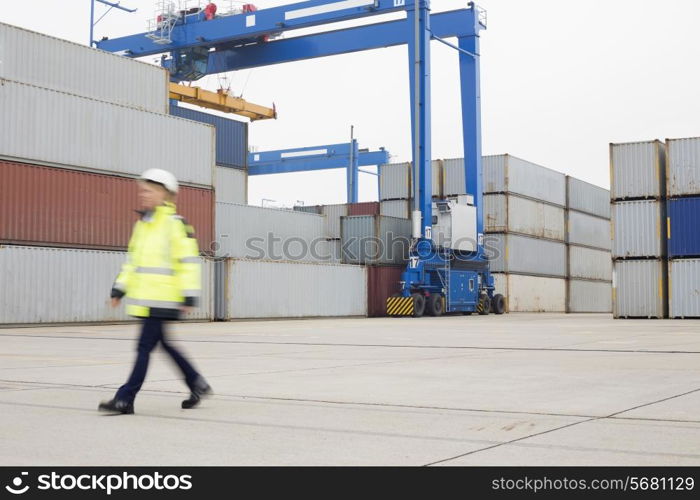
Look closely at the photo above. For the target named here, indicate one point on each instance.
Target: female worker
(161, 280)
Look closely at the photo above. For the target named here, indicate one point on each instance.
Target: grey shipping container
(231, 136)
(589, 263)
(508, 174)
(512, 253)
(589, 296)
(333, 214)
(683, 166)
(309, 209)
(509, 213)
(531, 293)
(45, 61)
(684, 288)
(231, 185)
(245, 231)
(588, 230)
(587, 198)
(63, 285)
(395, 180)
(395, 208)
(640, 289)
(56, 129)
(638, 229)
(375, 239)
(637, 170)
(266, 289)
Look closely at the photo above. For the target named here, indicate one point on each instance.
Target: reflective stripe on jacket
(162, 269)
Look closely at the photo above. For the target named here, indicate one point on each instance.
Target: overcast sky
(561, 80)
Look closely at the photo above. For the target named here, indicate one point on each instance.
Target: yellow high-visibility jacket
(162, 269)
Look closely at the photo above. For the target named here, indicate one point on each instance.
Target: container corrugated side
(382, 283)
(589, 297)
(52, 128)
(684, 288)
(638, 229)
(508, 213)
(62, 285)
(333, 214)
(49, 62)
(682, 227)
(640, 289)
(245, 231)
(363, 208)
(309, 209)
(511, 253)
(590, 264)
(265, 289)
(587, 198)
(453, 175)
(59, 207)
(396, 180)
(231, 185)
(683, 166)
(531, 293)
(509, 174)
(375, 239)
(395, 208)
(588, 230)
(231, 136)
(637, 170)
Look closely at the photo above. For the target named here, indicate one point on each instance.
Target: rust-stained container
(382, 283)
(364, 208)
(68, 208)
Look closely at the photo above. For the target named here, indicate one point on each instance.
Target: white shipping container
(683, 166)
(590, 264)
(246, 231)
(63, 285)
(508, 213)
(395, 208)
(265, 289)
(531, 293)
(589, 230)
(508, 174)
(638, 229)
(587, 198)
(589, 297)
(57, 129)
(45, 61)
(395, 180)
(637, 170)
(512, 253)
(639, 289)
(231, 185)
(333, 214)
(684, 288)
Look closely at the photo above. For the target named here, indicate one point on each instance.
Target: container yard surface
(518, 389)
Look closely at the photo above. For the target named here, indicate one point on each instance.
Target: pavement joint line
(563, 427)
(327, 344)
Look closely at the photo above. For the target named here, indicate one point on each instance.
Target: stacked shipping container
(638, 192)
(72, 141)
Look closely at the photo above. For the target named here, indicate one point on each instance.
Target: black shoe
(201, 388)
(116, 407)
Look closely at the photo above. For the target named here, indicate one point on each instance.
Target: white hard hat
(161, 177)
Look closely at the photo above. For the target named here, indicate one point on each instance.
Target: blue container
(683, 229)
(231, 136)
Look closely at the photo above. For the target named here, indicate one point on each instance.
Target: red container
(382, 283)
(68, 208)
(364, 208)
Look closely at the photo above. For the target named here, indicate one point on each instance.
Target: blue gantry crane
(448, 269)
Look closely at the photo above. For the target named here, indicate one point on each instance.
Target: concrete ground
(519, 389)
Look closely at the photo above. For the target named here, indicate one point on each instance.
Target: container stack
(588, 237)
(683, 215)
(638, 189)
(72, 142)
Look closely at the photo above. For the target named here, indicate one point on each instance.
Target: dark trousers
(152, 332)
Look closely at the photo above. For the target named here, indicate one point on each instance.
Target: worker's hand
(186, 309)
(115, 301)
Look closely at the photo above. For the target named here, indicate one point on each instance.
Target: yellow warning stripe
(399, 306)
